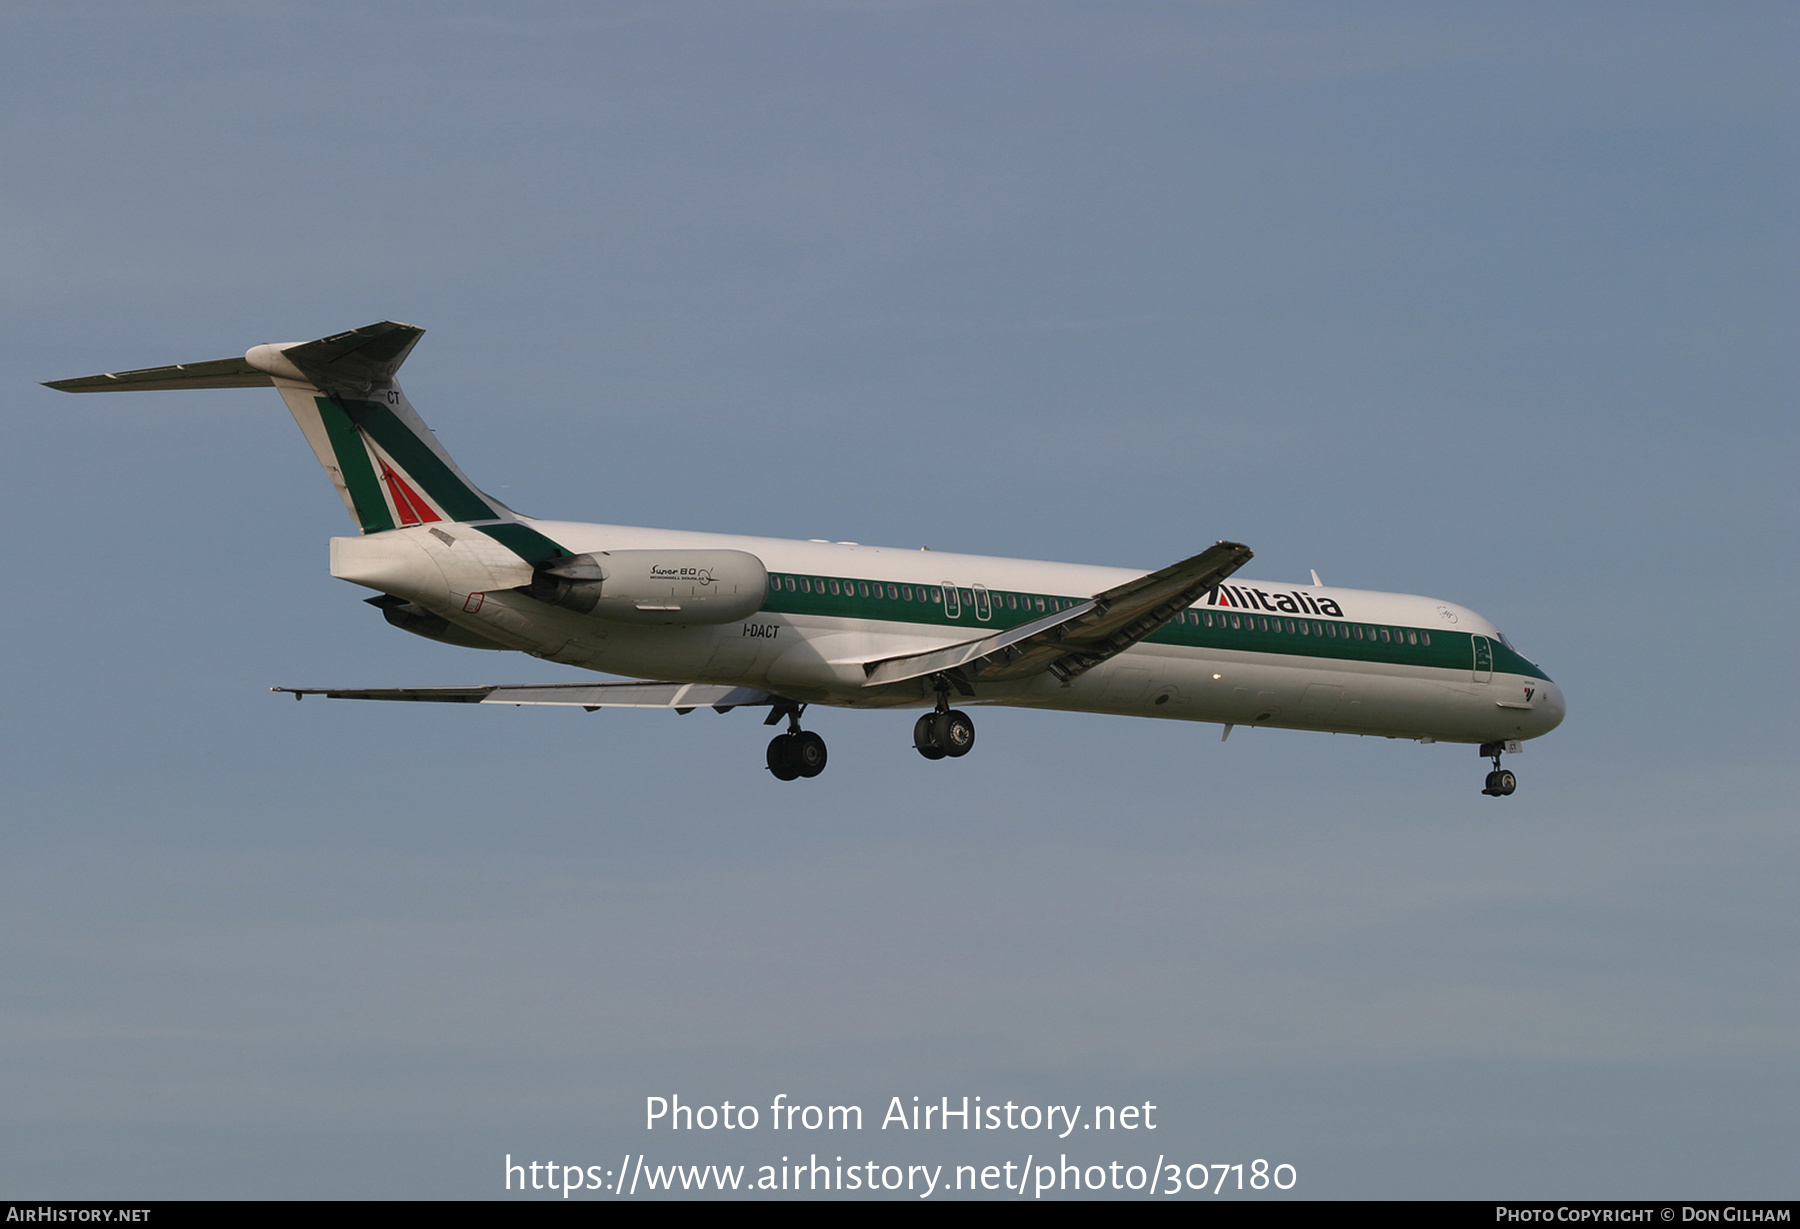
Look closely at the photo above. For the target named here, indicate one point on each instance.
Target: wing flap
(574, 695)
(957, 656)
(1073, 641)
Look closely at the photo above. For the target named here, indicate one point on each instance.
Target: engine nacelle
(656, 586)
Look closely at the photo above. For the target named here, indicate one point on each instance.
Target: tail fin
(384, 461)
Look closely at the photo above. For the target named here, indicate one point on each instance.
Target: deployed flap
(1073, 641)
(220, 373)
(682, 696)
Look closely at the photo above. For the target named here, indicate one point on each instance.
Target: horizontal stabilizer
(357, 360)
(353, 361)
(681, 696)
(220, 373)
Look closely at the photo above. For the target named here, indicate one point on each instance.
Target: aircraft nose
(1550, 709)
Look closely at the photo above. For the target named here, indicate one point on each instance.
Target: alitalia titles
(1242, 597)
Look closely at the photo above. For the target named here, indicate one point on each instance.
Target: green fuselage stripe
(353, 463)
(1448, 650)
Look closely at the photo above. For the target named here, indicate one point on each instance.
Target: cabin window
(834, 589)
(906, 593)
(862, 589)
(1412, 637)
(1425, 639)
(1012, 601)
(1207, 617)
(1358, 630)
(1385, 636)
(805, 585)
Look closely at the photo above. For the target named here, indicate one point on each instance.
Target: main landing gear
(946, 732)
(1501, 781)
(798, 753)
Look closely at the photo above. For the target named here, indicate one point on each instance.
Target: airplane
(727, 621)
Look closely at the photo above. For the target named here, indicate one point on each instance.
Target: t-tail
(384, 461)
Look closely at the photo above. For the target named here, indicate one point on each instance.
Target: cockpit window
(1504, 640)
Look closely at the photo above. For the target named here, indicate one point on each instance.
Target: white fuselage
(1351, 672)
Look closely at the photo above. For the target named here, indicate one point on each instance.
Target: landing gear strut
(798, 753)
(946, 732)
(1501, 781)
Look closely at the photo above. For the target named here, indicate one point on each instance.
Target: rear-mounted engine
(655, 586)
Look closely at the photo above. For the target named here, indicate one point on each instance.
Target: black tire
(955, 732)
(809, 754)
(925, 737)
(1507, 782)
(783, 761)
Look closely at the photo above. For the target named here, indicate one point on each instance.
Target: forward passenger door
(1484, 659)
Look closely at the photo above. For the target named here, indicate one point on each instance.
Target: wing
(1073, 641)
(682, 697)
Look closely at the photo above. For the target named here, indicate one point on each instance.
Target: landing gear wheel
(954, 731)
(784, 760)
(808, 753)
(925, 737)
(1500, 782)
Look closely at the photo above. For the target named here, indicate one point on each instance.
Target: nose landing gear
(946, 732)
(1501, 781)
(798, 753)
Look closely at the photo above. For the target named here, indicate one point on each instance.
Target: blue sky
(1492, 304)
